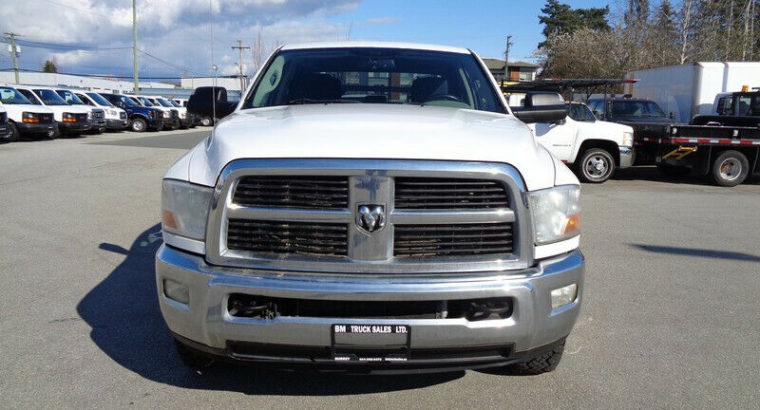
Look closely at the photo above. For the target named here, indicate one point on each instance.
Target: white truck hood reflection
(371, 131)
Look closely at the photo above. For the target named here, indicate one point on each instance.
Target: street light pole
(134, 48)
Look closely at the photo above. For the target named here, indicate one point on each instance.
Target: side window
(85, 99)
(30, 96)
(745, 103)
(269, 81)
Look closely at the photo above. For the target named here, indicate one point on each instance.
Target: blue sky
(479, 25)
(95, 36)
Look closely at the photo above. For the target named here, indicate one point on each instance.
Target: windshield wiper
(312, 101)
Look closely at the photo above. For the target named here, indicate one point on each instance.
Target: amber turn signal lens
(167, 218)
(573, 224)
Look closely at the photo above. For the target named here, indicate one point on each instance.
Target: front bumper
(186, 122)
(171, 122)
(206, 325)
(78, 126)
(114, 124)
(5, 132)
(26, 128)
(627, 156)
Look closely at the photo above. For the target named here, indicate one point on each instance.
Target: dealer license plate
(371, 343)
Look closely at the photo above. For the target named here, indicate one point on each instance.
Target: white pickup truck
(371, 207)
(591, 147)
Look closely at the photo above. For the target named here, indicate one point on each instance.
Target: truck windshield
(50, 97)
(146, 102)
(99, 99)
(12, 96)
(164, 102)
(635, 109)
(374, 76)
(69, 97)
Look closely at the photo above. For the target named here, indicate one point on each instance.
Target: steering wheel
(447, 97)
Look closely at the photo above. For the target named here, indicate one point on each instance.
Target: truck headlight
(29, 117)
(556, 213)
(113, 112)
(184, 208)
(627, 139)
(68, 117)
(167, 114)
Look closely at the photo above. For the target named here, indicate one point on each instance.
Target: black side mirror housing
(210, 102)
(542, 107)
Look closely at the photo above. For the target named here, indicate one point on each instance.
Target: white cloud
(175, 31)
(381, 20)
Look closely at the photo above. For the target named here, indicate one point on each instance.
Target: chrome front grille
(98, 114)
(297, 238)
(449, 193)
(293, 191)
(452, 239)
(309, 216)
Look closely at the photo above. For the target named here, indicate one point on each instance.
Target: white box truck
(690, 89)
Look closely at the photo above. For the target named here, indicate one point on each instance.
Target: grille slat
(300, 238)
(439, 193)
(329, 192)
(452, 239)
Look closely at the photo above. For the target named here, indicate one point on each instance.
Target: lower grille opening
(263, 307)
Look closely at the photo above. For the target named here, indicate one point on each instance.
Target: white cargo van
(24, 117)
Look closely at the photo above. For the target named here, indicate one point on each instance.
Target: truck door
(557, 138)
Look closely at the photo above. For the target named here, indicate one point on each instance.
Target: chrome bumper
(627, 156)
(206, 321)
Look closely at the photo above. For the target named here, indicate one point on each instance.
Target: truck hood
(369, 131)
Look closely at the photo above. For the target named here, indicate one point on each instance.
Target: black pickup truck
(645, 117)
(725, 146)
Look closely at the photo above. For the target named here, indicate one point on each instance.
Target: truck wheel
(138, 124)
(191, 358)
(543, 363)
(596, 166)
(15, 134)
(730, 168)
(206, 121)
(54, 134)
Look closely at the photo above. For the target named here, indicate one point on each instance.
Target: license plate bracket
(370, 343)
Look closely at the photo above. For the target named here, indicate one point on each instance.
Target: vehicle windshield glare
(163, 102)
(69, 97)
(128, 101)
(12, 96)
(174, 103)
(635, 109)
(50, 97)
(375, 76)
(99, 99)
(580, 112)
(145, 101)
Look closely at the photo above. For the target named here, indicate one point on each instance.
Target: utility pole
(240, 49)
(134, 47)
(14, 52)
(506, 59)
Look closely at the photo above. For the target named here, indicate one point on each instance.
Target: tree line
(597, 43)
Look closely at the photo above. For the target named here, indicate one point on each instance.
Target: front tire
(206, 121)
(138, 125)
(15, 133)
(730, 168)
(595, 166)
(542, 363)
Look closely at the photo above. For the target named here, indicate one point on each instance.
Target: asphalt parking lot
(671, 317)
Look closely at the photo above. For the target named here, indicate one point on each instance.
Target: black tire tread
(715, 172)
(543, 363)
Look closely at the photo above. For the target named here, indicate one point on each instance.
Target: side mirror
(210, 102)
(542, 107)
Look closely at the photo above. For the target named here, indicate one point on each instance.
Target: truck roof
(375, 44)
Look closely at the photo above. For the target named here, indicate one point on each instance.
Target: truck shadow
(127, 325)
(699, 253)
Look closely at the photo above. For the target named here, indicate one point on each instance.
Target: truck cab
(737, 109)
(591, 147)
(140, 118)
(115, 117)
(72, 119)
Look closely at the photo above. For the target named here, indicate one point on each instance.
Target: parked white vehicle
(116, 118)
(171, 115)
(592, 148)
(72, 119)
(184, 120)
(98, 118)
(26, 118)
